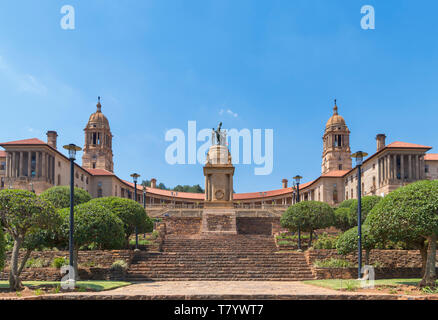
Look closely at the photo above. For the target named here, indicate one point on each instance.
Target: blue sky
(276, 64)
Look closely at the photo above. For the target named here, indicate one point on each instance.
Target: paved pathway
(222, 290)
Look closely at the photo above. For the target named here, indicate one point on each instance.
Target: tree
(410, 214)
(368, 203)
(346, 203)
(130, 212)
(60, 196)
(308, 216)
(347, 242)
(342, 219)
(22, 213)
(94, 225)
(2, 249)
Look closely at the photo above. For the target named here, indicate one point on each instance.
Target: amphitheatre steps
(232, 257)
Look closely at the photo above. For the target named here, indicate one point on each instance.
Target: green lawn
(81, 285)
(340, 284)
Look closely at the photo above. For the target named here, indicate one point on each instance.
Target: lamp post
(72, 149)
(297, 179)
(135, 178)
(359, 155)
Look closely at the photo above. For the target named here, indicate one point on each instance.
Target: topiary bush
(410, 214)
(308, 216)
(130, 212)
(348, 242)
(368, 203)
(95, 225)
(342, 220)
(346, 203)
(60, 196)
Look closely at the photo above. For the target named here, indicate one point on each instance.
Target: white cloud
(22, 82)
(229, 112)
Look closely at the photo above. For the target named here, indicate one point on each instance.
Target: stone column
(43, 166)
(37, 164)
(206, 188)
(21, 168)
(231, 188)
(29, 164)
(421, 167)
(8, 164)
(418, 167)
(410, 167)
(13, 164)
(402, 167)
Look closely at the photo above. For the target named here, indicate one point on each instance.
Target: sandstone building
(33, 164)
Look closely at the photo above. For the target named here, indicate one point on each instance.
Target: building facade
(35, 165)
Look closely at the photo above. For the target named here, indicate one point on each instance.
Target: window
(99, 193)
(426, 168)
(2, 165)
(346, 195)
(59, 179)
(94, 165)
(340, 167)
(59, 164)
(86, 180)
(82, 177)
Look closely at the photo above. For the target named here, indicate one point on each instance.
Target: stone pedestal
(218, 221)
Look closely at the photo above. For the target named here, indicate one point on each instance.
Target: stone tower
(98, 152)
(336, 144)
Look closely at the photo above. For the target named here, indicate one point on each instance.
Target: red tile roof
(100, 172)
(399, 144)
(335, 173)
(431, 156)
(32, 141)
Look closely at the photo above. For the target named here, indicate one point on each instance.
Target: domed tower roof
(335, 119)
(98, 119)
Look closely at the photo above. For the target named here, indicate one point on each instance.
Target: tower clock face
(219, 194)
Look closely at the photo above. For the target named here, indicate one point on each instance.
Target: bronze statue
(218, 135)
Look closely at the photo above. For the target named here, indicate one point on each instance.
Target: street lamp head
(135, 177)
(359, 155)
(298, 179)
(72, 149)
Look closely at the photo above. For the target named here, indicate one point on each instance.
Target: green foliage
(186, 188)
(179, 188)
(130, 212)
(346, 203)
(347, 242)
(60, 196)
(22, 213)
(368, 203)
(308, 215)
(94, 225)
(407, 213)
(325, 241)
(36, 263)
(58, 262)
(2, 249)
(333, 263)
(119, 265)
(342, 219)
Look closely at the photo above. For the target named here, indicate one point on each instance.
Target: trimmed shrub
(368, 203)
(60, 196)
(348, 242)
(130, 212)
(308, 216)
(58, 262)
(325, 242)
(342, 219)
(333, 263)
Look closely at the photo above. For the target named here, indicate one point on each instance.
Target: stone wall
(93, 265)
(379, 273)
(259, 225)
(388, 258)
(182, 225)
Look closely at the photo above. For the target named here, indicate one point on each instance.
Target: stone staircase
(231, 257)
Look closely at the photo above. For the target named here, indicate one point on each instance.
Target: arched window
(59, 179)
